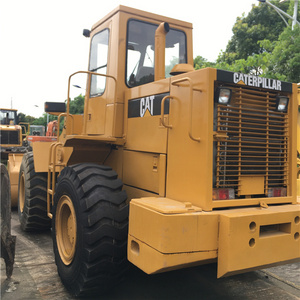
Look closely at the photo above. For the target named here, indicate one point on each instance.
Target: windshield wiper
(98, 68)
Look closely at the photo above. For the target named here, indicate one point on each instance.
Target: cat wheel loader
(16, 139)
(168, 167)
(12, 148)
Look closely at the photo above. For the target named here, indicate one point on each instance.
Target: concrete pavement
(35, 277)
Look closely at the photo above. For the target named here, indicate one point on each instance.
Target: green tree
(262, 23)
(254, 65)
(43, 119)
(262, 44)
(201, 62)
(77, 105)
(284, 61)
(25, 118)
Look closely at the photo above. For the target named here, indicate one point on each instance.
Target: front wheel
(90, 227)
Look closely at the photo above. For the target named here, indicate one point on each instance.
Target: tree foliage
(77, 105)
(284, 61)
(201, 62)
(262, 23)
(43, 119)
(262, 45)
(22, 118)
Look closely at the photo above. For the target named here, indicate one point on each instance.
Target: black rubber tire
(32, 197)
(101, 213)
(5, 198)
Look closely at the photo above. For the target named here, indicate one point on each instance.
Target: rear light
(277, 192)
(223, 194)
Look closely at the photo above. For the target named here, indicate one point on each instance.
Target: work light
(282, 103)
(223, 95)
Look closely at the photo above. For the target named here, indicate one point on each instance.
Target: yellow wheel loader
(12, 148)
(168, 167)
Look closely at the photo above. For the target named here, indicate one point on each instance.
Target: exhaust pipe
(160, 45)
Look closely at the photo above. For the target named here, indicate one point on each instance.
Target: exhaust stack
(160, 45)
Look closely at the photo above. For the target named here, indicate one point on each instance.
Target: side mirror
(55, 108)
(86, 33)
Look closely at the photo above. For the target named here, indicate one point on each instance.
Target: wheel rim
(66, 229)
(22, 193)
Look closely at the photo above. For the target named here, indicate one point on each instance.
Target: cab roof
(141, 13)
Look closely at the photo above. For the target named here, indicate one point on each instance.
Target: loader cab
(8, 116)
(122, 57)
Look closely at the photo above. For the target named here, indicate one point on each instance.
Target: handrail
(51, 175)
(52, 164)
(162, 111)
(26, 131)
(191, 89)
(58, 122)
(87, 93)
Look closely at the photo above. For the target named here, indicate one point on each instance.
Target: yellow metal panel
(146, 133)
(110, 110)
(190, 162)
(77, 124)
(172, 227)
(115, 161)
(133, 192)
(152, 261)
(243, 239)
(41, 156)
(13, 167)
(143, 14)
(167, 206)
(252, 185)
(257, 238)
(252, 201)
(161, 169)
(117, 130)
(143, 170)
(96, 116)
(292, 118)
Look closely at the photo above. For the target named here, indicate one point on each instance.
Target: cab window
(98, 62)
(140, 52)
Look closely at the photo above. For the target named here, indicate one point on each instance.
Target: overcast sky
(42, 41)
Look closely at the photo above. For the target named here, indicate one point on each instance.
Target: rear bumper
(165, 234)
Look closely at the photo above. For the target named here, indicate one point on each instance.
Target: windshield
(140, 52)
(98, 62)
(8, 117)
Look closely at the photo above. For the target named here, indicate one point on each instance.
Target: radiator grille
(10, 137)
(256, 143)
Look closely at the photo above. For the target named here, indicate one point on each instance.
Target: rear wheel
(32, 197)
(90, 227)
